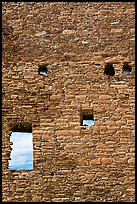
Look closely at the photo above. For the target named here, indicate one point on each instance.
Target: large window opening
(87, 118)
(21, 157)
(109, 69)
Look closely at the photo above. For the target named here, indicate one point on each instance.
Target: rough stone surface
(72, 163)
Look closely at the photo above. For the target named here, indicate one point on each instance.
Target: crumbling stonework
(75, 40)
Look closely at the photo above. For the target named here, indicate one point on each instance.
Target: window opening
(21, 157)
(109, 69)
(43, 70)
(126, 68)
(87, 118)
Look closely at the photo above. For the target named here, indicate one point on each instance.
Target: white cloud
(22, 151)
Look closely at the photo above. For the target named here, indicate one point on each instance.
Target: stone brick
(95, 161)
(69, 54)
(104, 97)
(106, 160)
(130, 10)
(69, 96)
(68, 32)
(81, 97)
(56, 97)
(70, 148)
(122, 109)
(116, 30)
(110, 122)
(74, 132)
(80, 161)
(74, 40)
(62, 132)
(132, 160)
(120, 122)
(46, 137)
(120, 161)
(76, 11)
(103, 128)
(91, 74)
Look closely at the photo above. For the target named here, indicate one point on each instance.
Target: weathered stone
(104, 97)
(68, 32)
(106, 160)
(120, 122)
(63, 132)
(73, 41)
(120, 161)
(95, 161)
(116, 30)
(80, 161)
(56, 97)
(132, 160)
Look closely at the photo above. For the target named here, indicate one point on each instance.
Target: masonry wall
(76, 40)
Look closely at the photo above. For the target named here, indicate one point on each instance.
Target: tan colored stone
(104, 97)
(46, 137)
(120, 161)
(95, 161)
(75, 40)
(56, 97)
(120, 122)
(62, 132)
(69, 96)
(116, 30)
(106, 160)
(80, 161)
(132, 160)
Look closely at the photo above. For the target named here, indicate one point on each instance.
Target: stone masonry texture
(74, 40)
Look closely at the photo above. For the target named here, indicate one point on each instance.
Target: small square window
(126, 68)
(87, 118)
(43, 70)
(109, 69)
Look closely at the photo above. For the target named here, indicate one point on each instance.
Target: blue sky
(22, 151)
(88, 122)
(125, 71)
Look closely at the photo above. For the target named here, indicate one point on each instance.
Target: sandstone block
(69, 54)
(80, 161)
(120, 161)
(103, 128)
(76, 11)
(132, 160)
(122, 109)
(95, 161)
(116, 30)
(62, 132)
(106, 160)
(110, 122)
(55, 97)
(120, 122)
(68, 32)
(46, 137)
(74, 132)
(104, 97)
(91, 74)
(81, 97)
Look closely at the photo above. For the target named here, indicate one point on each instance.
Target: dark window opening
(43, 70)
(21, 156)
(126, 68)
(87, 118)
(109, 69)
